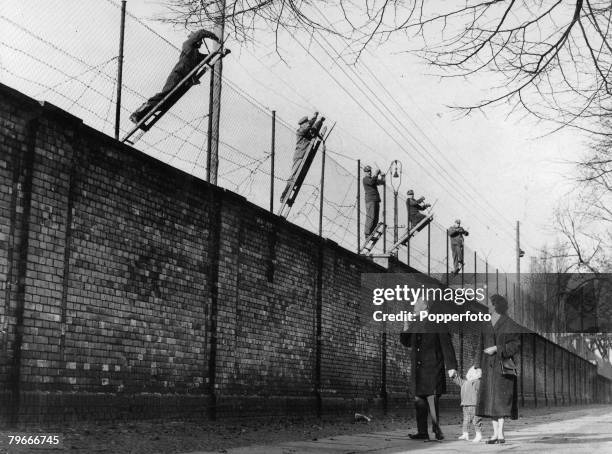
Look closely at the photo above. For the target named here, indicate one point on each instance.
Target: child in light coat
(469, 396)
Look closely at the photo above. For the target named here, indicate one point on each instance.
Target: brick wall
(129, 289)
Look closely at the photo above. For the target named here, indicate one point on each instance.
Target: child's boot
(465, 436)
(478, 437)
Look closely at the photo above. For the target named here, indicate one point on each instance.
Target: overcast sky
(488, 159)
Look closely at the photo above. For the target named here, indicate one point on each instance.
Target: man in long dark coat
(372, 199)
(456, 233)
(190, 57)
(431, 353)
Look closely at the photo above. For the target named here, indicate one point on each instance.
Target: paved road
(575, 434)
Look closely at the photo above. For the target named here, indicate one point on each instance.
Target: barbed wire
(168, 133)
(339, 214)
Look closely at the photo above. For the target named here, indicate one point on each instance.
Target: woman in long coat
(499, 343)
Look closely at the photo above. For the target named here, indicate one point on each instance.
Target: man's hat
(303, 120)
(410, 192)
(367, 169)
(457, 221)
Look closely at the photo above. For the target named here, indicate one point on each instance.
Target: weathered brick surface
(136, 302)
(351, 353)
(129, 289)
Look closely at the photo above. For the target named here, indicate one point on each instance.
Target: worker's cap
(410, 192)
(303, 120)
(367, 169)
(457, 221)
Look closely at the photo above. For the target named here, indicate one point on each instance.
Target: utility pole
(120, 71)
(518, 248)
(212, 161)
(519, 254)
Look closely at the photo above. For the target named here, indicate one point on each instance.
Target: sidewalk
(571, 431)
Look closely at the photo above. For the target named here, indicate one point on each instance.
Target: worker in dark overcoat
(372, 199)
(456, 234)
(189, 58)
(415, 208)
(308, 129)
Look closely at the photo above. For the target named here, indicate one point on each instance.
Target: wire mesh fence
(77, 72)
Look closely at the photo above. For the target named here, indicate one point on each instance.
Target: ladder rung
(373, 238)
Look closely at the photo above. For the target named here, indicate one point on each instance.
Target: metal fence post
(497, 282)
(514, 300)
(216, 86)
(569, 379)
(272, 157)
(487, 278)
(408, 227)
(475, 269)
(447, 253)
(535, 374)
(358, 204)
(546, 374)
(522, 376)
(563, 368)
(463, 272)
(429, 249)
(322, 191)
(554, 373)
(385, 216)
(508, 296)
(575, 379)
(120, 71)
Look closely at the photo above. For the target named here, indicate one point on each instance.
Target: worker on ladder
(308, 128)
(372, 199)
(456, 234)
(414, 208)
(190, 57)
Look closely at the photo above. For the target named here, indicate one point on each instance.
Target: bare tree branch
(553, 58)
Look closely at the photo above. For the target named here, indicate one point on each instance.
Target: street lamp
(519, 254)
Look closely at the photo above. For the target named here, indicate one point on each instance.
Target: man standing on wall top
(308, 128)
(456, 233)
(372, 199)
(190, 57)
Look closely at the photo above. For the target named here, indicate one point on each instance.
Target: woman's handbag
(508, 367)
